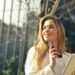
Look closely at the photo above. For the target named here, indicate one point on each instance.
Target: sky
(7, 13)
(33, 4)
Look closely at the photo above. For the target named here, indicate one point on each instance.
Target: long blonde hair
(42, 46)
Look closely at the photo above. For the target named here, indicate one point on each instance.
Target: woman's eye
(51, 26)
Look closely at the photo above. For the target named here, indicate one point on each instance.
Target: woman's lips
(46, 35)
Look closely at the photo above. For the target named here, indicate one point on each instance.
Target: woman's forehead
(49, 22)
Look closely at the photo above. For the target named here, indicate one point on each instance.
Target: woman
(43, 58)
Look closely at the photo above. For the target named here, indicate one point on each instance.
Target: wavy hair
(42, 47)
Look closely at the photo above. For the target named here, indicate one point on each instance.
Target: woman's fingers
(53, 52)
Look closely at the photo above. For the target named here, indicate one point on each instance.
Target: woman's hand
(73, 73)
(53, 55)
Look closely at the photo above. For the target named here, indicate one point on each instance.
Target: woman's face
(49, 31)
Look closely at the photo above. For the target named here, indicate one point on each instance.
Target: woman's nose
(47, 28)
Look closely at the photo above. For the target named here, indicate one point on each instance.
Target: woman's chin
(47, 40)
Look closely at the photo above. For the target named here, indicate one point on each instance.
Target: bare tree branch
(56, 3)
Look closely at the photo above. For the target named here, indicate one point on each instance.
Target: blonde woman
(48, 56)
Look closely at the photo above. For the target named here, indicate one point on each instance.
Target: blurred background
(19, 25)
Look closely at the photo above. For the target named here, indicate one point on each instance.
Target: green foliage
(10, 67)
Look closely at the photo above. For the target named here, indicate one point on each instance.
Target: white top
(46, 70)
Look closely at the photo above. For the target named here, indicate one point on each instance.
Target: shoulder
(67, 54)
(32, 50)
(73, 53)
(31, 54)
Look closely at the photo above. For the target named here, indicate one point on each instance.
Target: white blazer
(46, 69)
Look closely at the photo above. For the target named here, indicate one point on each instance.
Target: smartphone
(52, 46)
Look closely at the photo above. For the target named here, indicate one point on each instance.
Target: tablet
(70, 67)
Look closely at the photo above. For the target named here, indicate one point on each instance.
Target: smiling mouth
(46, 36)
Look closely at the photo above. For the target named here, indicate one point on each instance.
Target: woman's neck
(54, 44)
